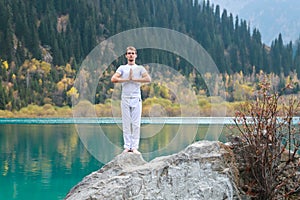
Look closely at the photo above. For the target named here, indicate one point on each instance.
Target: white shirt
(131, 89)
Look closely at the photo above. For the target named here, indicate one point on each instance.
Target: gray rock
(204, 170)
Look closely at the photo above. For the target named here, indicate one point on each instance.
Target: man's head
(131, 55)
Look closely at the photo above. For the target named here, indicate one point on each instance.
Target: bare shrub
(266, 145)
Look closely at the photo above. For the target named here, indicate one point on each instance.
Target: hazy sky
(271, 17)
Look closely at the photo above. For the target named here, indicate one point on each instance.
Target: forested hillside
(43, 42)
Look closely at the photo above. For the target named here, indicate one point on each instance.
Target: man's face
(131, 56)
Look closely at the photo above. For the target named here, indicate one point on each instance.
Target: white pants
(131, 121)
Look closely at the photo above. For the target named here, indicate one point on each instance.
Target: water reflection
(156, 140)
(37, 160)
(46, 161)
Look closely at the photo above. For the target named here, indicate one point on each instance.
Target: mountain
(271, 17)
(43, 43)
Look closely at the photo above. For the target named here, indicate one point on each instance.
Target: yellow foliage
(154, 100)
(46, 67)
(208, 76)
(84, 109)
(68, 68)
(203, 101)
(106, 110)
(202, 92)
(35, 61)
(33, 68)
(47, 100)
(5, 65)
(60, 86)
(215, 99)
(6, 114)
(25, 64)
(242, 92)
(73, 92)
(64, 112)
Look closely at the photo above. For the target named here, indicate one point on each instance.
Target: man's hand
(116, 78)
(130, 74)
(145, 78)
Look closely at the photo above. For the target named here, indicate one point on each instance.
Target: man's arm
(116, 78)
(145, 78)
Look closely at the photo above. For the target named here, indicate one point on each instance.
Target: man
(131, 76)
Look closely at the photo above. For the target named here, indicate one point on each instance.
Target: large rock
(204, 170)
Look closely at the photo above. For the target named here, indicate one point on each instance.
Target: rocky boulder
(204, 170)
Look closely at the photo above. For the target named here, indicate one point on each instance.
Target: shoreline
(117, 120)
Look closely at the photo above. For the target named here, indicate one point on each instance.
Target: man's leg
(136, 113)
(126, 123)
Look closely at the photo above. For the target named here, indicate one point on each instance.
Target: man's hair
(131, 48)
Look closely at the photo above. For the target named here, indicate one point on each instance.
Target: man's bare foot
(126, 150)
(136, 151)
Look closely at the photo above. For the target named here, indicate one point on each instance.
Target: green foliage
(43, 43)
(71, 29)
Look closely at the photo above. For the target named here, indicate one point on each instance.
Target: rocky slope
(204, 170)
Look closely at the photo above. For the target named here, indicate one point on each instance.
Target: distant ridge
(270, 17)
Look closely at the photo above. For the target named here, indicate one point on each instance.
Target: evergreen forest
(43, 43)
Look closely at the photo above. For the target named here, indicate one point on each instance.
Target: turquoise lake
(41, 161)
(45, 158)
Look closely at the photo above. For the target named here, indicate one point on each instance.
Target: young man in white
(131, 76)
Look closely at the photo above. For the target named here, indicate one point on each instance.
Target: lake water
(42, 160)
